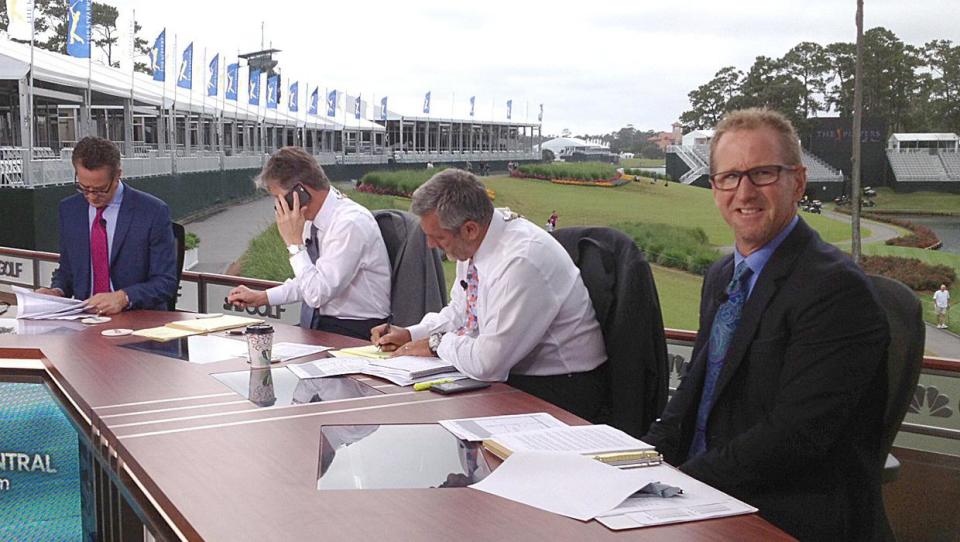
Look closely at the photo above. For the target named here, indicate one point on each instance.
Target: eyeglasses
(759, 176)
(91, 191)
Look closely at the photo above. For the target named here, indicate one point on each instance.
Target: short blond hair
(755, 118)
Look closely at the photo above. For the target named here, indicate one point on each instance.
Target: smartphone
(458, 386)
(304, 196)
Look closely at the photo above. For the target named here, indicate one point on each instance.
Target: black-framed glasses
(92, 191)
(759, 176)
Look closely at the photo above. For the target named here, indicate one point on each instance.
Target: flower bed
(922, 236)
(395, 183)
(607, 183)
(910, 271)
(577, 171)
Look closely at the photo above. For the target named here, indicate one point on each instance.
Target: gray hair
(457, 196)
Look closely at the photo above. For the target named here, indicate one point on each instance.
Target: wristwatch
(433, 343)
(295, 249)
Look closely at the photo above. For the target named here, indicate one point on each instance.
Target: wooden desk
(213, 466)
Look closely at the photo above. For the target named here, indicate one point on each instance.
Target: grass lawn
(675, 204)
(916, 202)
(643, 162)
(927, 256)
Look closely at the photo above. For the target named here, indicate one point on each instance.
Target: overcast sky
(596, 65)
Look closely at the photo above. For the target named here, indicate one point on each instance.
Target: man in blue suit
(117, 249)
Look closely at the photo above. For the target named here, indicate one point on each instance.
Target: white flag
(20, 13)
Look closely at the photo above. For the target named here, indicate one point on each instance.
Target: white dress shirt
(535, 315)
(351, 279)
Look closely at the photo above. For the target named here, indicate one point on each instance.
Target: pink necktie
(99, 254)
(470, 327)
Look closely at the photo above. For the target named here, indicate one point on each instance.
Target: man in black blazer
(782, 405)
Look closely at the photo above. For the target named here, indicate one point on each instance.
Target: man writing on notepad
(782, 406)
(518, 312)
(339, 260)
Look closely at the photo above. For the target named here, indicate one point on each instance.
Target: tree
(889, 74)
(769, 85)
(141, 49)
(842, 59)
(711, 100)
(941, 86)
(807, 61)
(104, 30)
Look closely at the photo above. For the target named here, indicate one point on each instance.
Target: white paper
(563, 483)
(34, 306)
(476, 429)
(288, 351)
(582, 439)
(328, 367)
(698, 501)
(413, 366)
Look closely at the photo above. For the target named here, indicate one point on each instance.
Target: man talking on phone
(339, 260)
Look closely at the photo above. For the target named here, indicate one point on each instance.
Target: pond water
(947, 229)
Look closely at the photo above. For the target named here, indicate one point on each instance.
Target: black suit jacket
(796, 426)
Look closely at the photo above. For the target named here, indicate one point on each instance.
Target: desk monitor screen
(195, 349)
(397, 457)
(279, 386)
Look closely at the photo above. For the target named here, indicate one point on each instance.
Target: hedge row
(910, 271)
(922, 236)
(673, 246)
(583, 171)
(395, 183)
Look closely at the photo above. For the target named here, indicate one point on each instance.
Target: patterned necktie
(470, 328)
(721, 335)
(99, 255)
(307, 312)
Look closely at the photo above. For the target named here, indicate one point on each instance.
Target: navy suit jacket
(143, 258)
(796, 426)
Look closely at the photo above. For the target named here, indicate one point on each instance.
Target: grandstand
(690, 164)
(924, 162)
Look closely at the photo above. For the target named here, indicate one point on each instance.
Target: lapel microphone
(103, 222)
(463, 284)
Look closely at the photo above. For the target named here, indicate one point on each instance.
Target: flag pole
(28, 166)
(202, 132)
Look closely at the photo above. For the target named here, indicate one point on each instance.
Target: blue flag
(509, 108)
(213, 82)
(426, 103)
(540, 116)
(78, 28)
(185, 77)
(253, 89)
(383, 108)
(158, 57)
(332, 103)
(473, 102)
(356, 108)
(293, 101)
(273, 85)
(233, 76)
(314, 101)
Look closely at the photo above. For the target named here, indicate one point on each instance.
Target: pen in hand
(386, 330)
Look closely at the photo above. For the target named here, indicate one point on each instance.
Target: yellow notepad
(186, 328)
(601, 442)
(164, 333)
(370, 352)
(210, 325)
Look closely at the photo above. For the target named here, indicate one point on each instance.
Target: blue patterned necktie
(721, 335)
(307, 313)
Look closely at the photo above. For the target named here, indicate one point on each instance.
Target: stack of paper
(577, 487)
(34, 306)
(369, 352)
(357, 365)
(413, 367)
(477, 429)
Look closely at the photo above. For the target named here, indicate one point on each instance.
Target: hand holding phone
(304, 196)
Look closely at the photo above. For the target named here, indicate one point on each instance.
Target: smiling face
(756, 213)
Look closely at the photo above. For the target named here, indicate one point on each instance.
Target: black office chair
(417, 284)
(180, 234)
(625, 300)
(904, 359)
